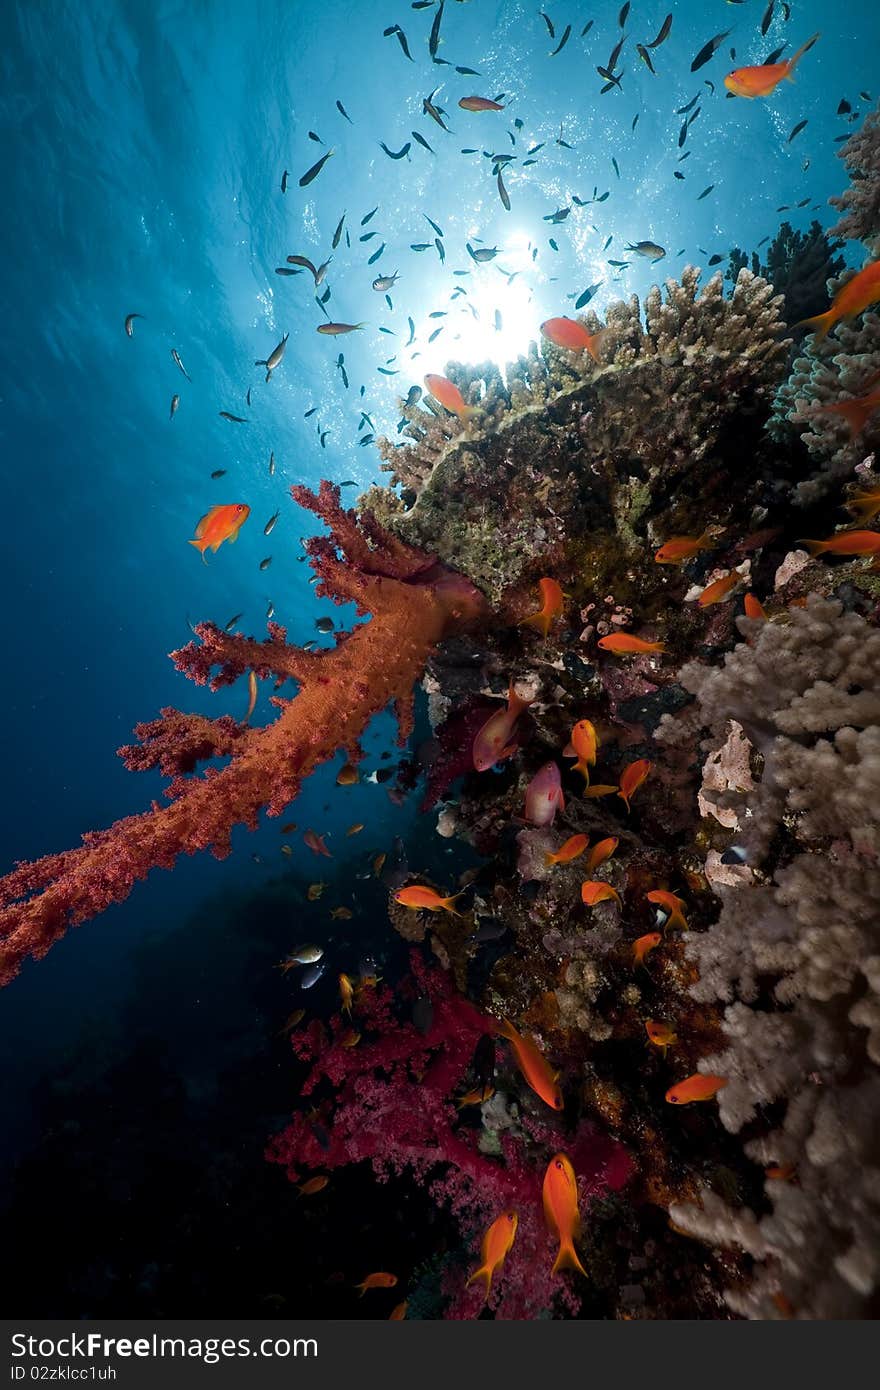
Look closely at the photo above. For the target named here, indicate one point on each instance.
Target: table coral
(413, 603)
(794, 954)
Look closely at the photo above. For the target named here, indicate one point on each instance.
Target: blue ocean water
(145, 144)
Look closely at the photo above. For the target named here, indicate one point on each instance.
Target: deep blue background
(143, 150)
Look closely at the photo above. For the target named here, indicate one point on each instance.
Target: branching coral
(798, 266)
(860, 204)
(794, 956)
(566, 447)
(412, 602)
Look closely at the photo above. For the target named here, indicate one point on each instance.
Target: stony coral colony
(657, 721)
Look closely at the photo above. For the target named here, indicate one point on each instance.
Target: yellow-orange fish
(495, 1247)
(347, 775)
(662, 1035)
(700, 1086)
(601, 851)
(314, 891)
(643, 945)
(847, 543)
(671, 904)
(568, 333)
(680, 548)
(346, 993)
(582, 746)
(420, 897)
(754, 608)
(560, 1198)
(493, 742)
(781, 1172)
(574, 846)
(632, 777)
(308, 1189)
(398, 1312)
(449, 396)
(478, 1096)
(534, 1066)
(355, 829)
(551, 607)
(761, 80)
(598, 891)
(719, 589)
(865, 505)
(377, 1281)
(625, 644)
(221, 523)
(857, 294)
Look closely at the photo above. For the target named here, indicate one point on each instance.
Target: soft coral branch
(413, 604)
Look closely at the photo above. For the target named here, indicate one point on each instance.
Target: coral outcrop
(798, 266)
(567, 448)
(413, 603)
(860, 204)
(794, 958)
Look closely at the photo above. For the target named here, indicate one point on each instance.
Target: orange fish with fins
(449, 396)
(680, 548)
(421, 898)
(573, 847)
(847, 543)
(583, 746)
(632, 777)
(568, 333)
(700, 1086)
(551, 607)
(221, 523)
(560, 1198)
(761, 80)
(643, 944)
(598, 891)
(625, 644)
(672, 905)
(857, 294)
(534, 1066)
(494, 741)
(495, 1247)
(857, 412)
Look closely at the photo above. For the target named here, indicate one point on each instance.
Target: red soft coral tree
(394, 1106)
(413, 603)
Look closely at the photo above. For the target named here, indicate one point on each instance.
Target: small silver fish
(175, 402)
(176, 355)
(312, 975)
(129, 323)
(271, 465)
(649, 249)
(270, 524)
(385, 282)
(264, 564)
(274, 358)
(324, 624)
(270, 611)
(306, 955)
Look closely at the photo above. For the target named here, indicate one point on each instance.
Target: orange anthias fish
(551, 607)
(449, 396)
(574, 846)
(479, 104)
(314, 891)
(420, 897)
(660, 1034)
(347, 775)
(561, 1210)
(700, 1086)
(308, 1189)
(316, 843)
(493, 742)
(632, 778)
(857, 294)
(544, 796)
(398, 1312)
(781, 1172)
(847, 543)
(600, 852)
(856, 412)
(643, 945)
(865, 505)
(533, 1065)
(355, 829)
(568, 333)
(671, 904)
(762, 80)
(680, 548)
(625, 644)
(495, 1247)
(583, 746)
(346, 993)
(754, 608)
(598, 891)
(719, 589)
(377, 1281)
(218, 525)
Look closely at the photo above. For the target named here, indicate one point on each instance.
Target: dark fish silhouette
(315, 170)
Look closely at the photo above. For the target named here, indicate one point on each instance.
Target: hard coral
(860, 204)
(568, 448)
(794, 958)
(413, 604)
